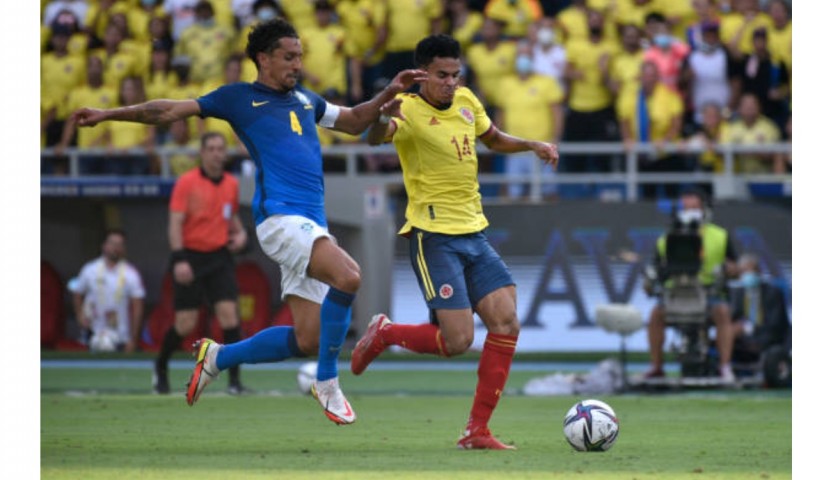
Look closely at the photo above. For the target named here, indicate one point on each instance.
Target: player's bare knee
(456, 344)
(349, 282)
(307, 345)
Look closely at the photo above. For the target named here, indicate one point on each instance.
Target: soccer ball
(105, 340)
(591, 426)
(306, 376)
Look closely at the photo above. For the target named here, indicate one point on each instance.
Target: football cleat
(336, 407)
(481, 439)
(204, 351)
(370, 345)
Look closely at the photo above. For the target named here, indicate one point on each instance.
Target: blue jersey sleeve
(217, 103)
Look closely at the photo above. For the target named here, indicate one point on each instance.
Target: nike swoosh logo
(347, 411)
(255, 103)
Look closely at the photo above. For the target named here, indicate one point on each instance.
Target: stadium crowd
(685, 72)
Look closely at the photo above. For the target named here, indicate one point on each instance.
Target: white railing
(727, 184)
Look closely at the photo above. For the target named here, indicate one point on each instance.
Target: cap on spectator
(710, 27)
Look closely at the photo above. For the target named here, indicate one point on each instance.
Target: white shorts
(288, 240)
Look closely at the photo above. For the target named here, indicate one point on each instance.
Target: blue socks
(335, 321)
(270, 345)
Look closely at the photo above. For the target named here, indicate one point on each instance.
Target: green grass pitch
(104, 424)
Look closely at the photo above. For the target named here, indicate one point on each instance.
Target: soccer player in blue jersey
(276, 120)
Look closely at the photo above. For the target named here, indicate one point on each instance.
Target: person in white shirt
(549, 56)
(108, 297)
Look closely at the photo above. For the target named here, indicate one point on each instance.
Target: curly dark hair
(440, 45)
(265, 37)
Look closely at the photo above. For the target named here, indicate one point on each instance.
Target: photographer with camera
(703, 251)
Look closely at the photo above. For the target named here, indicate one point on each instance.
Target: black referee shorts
(214, 279)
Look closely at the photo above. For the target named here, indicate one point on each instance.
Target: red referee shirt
(208, 206)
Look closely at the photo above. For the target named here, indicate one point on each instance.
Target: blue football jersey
(279, 131)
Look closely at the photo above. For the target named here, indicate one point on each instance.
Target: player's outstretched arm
(501, 142)
(383, 129)
(356, 119)
(153, 112)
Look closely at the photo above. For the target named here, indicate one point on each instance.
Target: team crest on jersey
(446, 291)
(467, 114)
(306, 227)
(303, 98)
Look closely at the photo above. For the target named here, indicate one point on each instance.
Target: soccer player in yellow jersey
(458, 271)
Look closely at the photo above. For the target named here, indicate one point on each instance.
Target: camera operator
(717, 257)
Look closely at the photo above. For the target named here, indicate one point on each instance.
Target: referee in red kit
(204, 232)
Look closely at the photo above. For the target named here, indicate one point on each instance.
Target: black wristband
(178, 256)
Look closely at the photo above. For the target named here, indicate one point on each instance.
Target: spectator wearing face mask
(759, 313)
(549, 56)
(259, 11)
(530, 108)
(205, 42)
(665, 51)
(709, 74)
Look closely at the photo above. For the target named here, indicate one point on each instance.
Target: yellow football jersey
(102, 97)
(409, 21)
(325, 58)
(663, 106)
(527, 105)
(490, 66)
(361, 20)
(59, 76)
(439, 163)
(589, 93)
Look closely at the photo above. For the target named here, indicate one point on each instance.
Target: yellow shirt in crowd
(663, 106)
(590, 93)
(527, 106)
(59, 76)
(361, 20)
(207, 47)
(325, 58)
(731, 23)
(87, 96)
(626, 68)
(409, 21)
(517, 14)
(490, 66)
(761, 132)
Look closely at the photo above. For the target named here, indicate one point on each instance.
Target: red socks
(493, 369)
(425, 338)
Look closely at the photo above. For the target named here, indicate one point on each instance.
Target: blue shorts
(456, 271)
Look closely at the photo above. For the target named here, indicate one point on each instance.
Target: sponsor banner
(106, 187)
